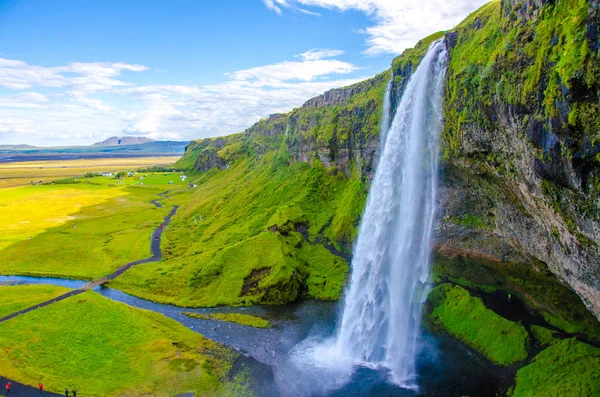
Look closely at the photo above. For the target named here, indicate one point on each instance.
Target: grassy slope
(15, 298)
(238, 318)
(568, 369)
(221, 235)
(113, 224)
(102, 348)
(466, 317)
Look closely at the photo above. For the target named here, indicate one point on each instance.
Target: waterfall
(381, 320)
(385, 116)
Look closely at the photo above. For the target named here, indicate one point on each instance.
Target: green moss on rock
(543, 335)
(238, 318)
(533, 283)
(568, 368)
(466, 317)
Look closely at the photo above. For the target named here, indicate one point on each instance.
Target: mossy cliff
(277, 206)
(520, 183)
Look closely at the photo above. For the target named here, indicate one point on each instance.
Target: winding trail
(155, 239)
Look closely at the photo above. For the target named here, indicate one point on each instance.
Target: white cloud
(319, 53)
(303, 11)
(306, 70)
(398, 24)
(176, 111)
(32, 97)
(93, 76)
(80, 99)
(271, 5)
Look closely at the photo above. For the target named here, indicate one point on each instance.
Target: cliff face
(521, 183)
(520, 178)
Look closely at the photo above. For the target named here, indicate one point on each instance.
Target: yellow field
(19, 174)
(29, 211)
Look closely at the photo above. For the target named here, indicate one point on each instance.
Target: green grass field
(83, 229)
(15, 298)
(106, 348)
(466, 317)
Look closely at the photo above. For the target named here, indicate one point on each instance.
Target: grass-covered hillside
(264, 230)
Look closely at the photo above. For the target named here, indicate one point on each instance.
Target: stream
(445, 367)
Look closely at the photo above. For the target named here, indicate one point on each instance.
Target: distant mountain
(110, 148)
(16, 147)
(126, 140)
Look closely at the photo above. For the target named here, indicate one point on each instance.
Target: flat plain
(24, 173)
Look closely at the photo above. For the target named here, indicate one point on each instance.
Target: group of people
(41, 387)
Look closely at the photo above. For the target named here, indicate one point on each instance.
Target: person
(74, 392)
(8, 385)
(66, 392)
(161, 226)
(509, 296)
(41, 388)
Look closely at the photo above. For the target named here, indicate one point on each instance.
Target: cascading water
(383, 304)
(385, 117)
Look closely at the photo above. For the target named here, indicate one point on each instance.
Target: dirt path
(155, 239)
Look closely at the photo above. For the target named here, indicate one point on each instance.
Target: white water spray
(382, 312)
(385, 117)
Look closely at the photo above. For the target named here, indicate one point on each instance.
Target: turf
(238, 318)
(466, 317)
(568, 368)
(106, 348)
(15, 298)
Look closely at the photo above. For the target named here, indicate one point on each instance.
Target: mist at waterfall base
(381, 320)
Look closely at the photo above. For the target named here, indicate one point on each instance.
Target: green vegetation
(15, 298)
(102, 347)
(543, 335)
(405, 64)
(500, 59)
(568, 368)
(93, 241)
(33, 172)
(98, 224)
(238, 318)
(466, 317)
(472, 221)
(236, 239)
(533, 283)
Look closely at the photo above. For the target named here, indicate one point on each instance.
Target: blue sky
(76, 72)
